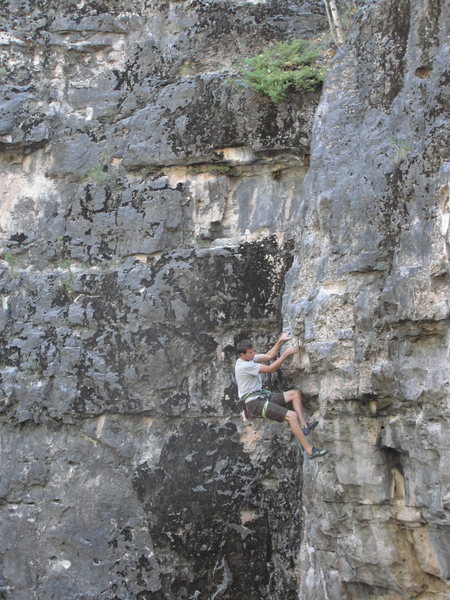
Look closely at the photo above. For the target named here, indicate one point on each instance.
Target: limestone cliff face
(368, 294)
(151, 213)
(143, 217)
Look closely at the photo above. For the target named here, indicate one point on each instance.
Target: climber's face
(248, 354)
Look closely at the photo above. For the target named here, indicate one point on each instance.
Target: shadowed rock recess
(151, 213)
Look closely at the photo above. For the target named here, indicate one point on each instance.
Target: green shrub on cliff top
(283, 66)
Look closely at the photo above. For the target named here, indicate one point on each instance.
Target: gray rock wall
(151, 213)
(143, 227)
(368, 295)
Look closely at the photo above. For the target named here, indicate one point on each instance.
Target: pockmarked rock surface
(144, 215)
(151, 213)
(368, 295)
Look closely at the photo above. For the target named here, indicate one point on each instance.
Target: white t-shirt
(248, 377)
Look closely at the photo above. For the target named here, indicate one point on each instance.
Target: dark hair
(243, 346)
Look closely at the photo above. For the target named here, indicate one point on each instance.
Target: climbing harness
(254, 396)
(245, 397)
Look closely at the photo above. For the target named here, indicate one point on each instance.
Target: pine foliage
(285, 65)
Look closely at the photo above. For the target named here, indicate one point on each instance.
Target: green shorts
(275, 411)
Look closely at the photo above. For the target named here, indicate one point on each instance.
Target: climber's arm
(273, 352)
(277, 363)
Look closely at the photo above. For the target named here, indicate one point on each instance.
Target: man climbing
(263, 403)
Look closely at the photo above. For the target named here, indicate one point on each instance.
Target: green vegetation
(276, 174)
(65, 264)
(340, 14)
(202, 241)
(402, 149)
(67, 280)
(348, 9)
(187, 69)
(98, 175)
(285, 65)
(11, 260)
(32, 370)
(220, 169)
(10, 158)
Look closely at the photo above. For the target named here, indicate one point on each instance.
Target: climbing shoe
(317, 452)
(244, 415)
(309, 427)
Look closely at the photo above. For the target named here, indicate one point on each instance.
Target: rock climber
(259, 402)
